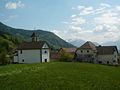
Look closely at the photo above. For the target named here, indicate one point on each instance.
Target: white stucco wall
(45, 55)
(32, 56)
(29, 56)
(112, 59)
(15, 58)
(84, 51)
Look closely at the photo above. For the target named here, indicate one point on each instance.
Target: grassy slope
(59, 76)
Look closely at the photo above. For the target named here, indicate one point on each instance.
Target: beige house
(32, 52)
(88, 52)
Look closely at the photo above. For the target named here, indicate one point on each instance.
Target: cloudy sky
(93, 20)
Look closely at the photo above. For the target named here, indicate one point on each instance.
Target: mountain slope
(77, 43)
(80, 42)
(53, 40)
(116, 43)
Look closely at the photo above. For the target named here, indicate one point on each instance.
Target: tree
(66, 57)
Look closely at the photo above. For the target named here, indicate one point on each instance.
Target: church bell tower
(35, 37)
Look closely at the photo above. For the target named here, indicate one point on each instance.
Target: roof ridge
(88, 45)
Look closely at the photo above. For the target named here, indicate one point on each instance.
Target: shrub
(66, 57)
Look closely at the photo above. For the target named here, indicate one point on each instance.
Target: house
(88, 52)
(33, 52)
(56, 55)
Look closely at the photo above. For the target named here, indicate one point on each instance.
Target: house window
(45, 52)
(45, 60)
(81, 51)
(20, 51)
(107, 62)
(89, 56)
(100, 62)
(87, 51)
(113, 60)
(22, 60)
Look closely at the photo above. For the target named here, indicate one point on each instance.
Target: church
(33, 52)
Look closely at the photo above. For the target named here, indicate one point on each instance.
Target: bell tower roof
(34, 35)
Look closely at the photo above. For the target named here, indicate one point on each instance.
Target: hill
(59, 76)
(79, 42)
(53, 40)
(7, 45)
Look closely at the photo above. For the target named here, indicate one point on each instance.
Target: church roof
(88, 45)
(101, 50)
(31, 45)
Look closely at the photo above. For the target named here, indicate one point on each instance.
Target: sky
(89, 20)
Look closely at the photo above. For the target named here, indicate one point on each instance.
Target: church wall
(29, 56)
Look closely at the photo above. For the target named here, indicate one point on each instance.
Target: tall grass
(59, 76)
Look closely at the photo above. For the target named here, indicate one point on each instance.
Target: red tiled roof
(31, 45)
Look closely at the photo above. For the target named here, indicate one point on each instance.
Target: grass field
(59, 76)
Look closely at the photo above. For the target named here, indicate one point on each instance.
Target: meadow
(59, 76)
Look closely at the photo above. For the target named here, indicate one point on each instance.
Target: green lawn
(59, 76)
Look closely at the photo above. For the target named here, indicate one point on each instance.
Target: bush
(66, 57)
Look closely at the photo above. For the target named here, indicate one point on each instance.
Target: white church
(33, 52)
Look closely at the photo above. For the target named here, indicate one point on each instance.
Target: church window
(20, 51)
(22, 60)
(45, 52)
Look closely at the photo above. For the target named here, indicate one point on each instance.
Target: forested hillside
(7, 45)
(53, 40)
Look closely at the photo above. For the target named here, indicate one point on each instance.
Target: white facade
(88, 55)
(111, 59)
(88, 52)
(85, 55)
(33, 55)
